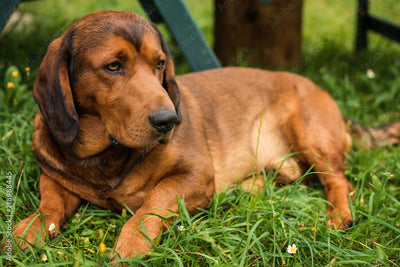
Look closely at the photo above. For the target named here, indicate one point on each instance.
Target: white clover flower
(181, 228)
(52, 227)
(370, 74)
(292, 249)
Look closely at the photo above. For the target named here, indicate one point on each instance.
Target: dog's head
(116, 67)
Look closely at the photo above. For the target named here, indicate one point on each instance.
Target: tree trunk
(258, 34)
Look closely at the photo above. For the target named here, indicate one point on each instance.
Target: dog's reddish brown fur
(102, 79)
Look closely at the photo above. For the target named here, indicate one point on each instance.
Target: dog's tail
(370, 137)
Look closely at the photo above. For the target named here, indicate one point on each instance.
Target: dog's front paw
(340, 219)
(33, 230)
(131, 247)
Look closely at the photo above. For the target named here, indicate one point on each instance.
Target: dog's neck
(103, 171)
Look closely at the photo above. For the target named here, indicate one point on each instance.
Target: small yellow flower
(101, 233)
(362, 201)
(27, 70)
(292, 249)
(102, 247)
(43, 257)
(10, 85)
(52, 227)
(15, 74)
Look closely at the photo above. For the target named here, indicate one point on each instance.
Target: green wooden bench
(7, 7)
(367, 21)
(184, 30)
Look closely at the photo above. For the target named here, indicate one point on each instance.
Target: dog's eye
(160, 65)
(113, 66)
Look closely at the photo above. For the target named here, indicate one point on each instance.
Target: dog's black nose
(163, 120)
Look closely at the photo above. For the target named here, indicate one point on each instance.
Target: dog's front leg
(142, 230)
(56, 206)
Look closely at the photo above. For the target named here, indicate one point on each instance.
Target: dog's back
(249, 118)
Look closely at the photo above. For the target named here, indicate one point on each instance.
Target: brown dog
(116, 128)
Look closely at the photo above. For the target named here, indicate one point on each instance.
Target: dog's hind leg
(318, 133)
(329, 165)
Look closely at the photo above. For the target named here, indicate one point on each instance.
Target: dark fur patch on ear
(52, 92)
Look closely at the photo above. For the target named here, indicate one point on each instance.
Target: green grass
(237, 229)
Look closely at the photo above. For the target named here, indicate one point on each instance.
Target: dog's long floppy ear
(169, 82)
(52, 92)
